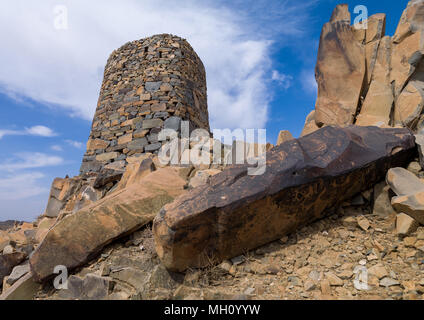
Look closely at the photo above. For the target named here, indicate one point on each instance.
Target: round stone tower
(148, 85)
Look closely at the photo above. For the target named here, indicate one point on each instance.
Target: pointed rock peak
(412, 20)
(341, 14)
(376, 27)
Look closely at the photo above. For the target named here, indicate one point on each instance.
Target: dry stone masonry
(148, 85)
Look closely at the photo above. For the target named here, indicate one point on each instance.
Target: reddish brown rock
(378, 104)
(340, 73)
(407, 42)
(376, 27)
(412, 205)
(60, 192)
(409, 105)
(80, 236)
(8, 262)
(341, 13)
(310, 125)
(23, 289)
(236, 212)
(284, 136)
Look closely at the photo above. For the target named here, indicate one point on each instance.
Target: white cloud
(65, 67)
(309, 84)
(21, 186)
(28, 160)
(56, 147)
(24, 193)
(40, 131)
(75, 144)
(23, 196)
(283, 80)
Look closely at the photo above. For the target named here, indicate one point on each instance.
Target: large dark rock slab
(236, 212)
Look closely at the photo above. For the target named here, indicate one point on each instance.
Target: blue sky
(259, 57)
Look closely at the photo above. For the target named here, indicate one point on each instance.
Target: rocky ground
(317, 262)
(6, 225)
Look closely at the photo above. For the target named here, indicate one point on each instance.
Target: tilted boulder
(60, 192)
(236, 212)
(403, 182)
(412, 205)
(340, 73)
(81, 235)
(23, 289)
(8, 262)
(410, 193)
(410, 105)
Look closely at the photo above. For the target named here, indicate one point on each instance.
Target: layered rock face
(236, 212)
(340, 68)
(148, 85)
(367, 78)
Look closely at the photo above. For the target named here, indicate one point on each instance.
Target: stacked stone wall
(148, 85)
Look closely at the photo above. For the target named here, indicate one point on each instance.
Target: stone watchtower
(148, 85)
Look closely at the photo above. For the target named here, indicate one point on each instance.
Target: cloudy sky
(259, 58)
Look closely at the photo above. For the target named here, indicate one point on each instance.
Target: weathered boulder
(17, 273)
(8, 262)
(284, 136)
(310, 125)
(60, 192)
(202, 176)
(4, 240)
(405, 224)
(410, 193)
(404, 182)
(107, 176)
(92, 287)
(412, 205)
(136, 171)
(23, 289)
(382, 205)
(340, 73)
(81, 235)
(409, 104)
(236, 212)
